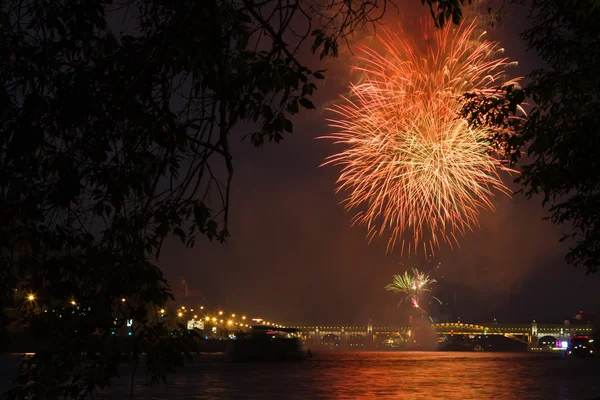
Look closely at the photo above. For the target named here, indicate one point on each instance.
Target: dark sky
(293, 256)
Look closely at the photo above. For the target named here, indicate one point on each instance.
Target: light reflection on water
(401, 375)
(373, 375)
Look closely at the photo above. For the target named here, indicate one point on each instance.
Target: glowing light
(31, 297)
(564, 344)
(229, 322)
(195, 316)
(123, 300)
(220, 312)
(214, 320)
(202, 307)
(413, 286)
(232, 315)
(411, 168)
(162, 310)
(243, 317)
(180, 314)
(73, 303)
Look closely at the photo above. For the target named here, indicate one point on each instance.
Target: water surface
(378, 375)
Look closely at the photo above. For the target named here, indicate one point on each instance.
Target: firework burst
(412, 286)
(411, 167)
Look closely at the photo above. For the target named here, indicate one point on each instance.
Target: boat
(580, 346)
(266, 344)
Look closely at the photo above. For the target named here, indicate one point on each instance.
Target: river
(381, 375)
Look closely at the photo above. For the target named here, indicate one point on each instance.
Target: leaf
(201, 214)
(293, 107)
(307, 89)
(162, 230)
(319, 39)
(211, 229)
(304, 102)
(288, 125)
(177, 231)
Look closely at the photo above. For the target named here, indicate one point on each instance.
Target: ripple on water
(377, 375)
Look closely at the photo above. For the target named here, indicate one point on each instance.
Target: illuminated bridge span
(529, 333)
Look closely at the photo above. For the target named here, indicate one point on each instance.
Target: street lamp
(180, 314)
(162, 310)
(123, 300)
(243, 317)
(31, 297)
(220, 312)
(73, 303)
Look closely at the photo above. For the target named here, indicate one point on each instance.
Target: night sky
(293, 256)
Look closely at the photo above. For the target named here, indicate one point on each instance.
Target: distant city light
(564, 344)
(162, 310)
(180, 314)
(73, 302)
(31, 297)
(243, 317)
(229, 322)
(123, 300)
(233, 315)
(202, 307)
(220, 312)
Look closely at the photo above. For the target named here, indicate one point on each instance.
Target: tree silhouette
(561, 133)
(115, 127)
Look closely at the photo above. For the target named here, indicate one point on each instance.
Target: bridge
(526, 333)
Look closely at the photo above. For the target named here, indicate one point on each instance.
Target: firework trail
(411, 167)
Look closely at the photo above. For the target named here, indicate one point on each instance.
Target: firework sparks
(411, 166)
(413, 286)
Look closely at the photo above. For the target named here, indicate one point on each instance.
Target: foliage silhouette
(561, 133)
(115, 128)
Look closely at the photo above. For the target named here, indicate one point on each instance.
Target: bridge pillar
(533, 337)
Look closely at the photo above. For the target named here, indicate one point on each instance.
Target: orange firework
(411, 166)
